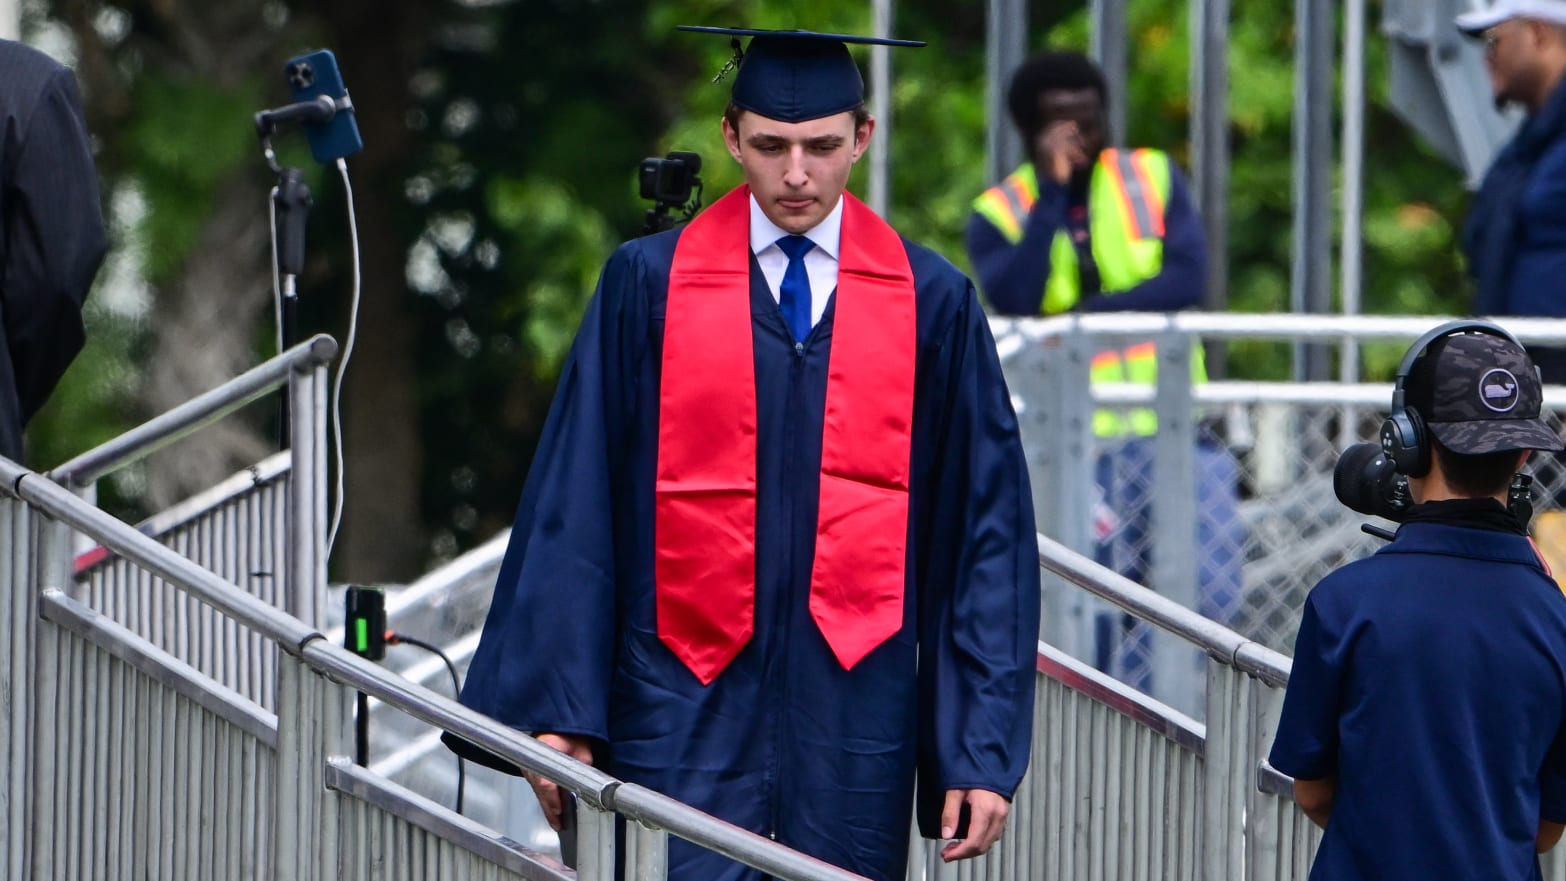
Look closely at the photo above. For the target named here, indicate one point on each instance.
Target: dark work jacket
(784, 742)
(51, 232)
(1013, 276)
(1515, 235)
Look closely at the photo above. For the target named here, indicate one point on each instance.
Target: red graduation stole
(705, 495)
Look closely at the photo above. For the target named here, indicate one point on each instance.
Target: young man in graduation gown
(776, 549)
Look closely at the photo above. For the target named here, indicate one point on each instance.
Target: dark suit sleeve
(1180, 283)
(54, 242)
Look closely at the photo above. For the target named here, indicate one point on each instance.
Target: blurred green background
(502, 141)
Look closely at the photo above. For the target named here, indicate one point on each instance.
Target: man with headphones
(1425, 717)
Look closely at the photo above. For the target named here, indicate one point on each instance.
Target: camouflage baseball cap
(1479, 393)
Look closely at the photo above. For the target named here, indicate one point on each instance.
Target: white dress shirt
(820, 261)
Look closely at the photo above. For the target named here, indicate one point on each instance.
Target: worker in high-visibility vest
(1083, 227)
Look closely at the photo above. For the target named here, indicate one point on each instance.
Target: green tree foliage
(502, 140)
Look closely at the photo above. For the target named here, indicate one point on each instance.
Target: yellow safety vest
(1127, 197)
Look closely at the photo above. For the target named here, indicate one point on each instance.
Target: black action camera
(671, 183)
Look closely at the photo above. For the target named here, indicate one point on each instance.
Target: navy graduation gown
(784, 742)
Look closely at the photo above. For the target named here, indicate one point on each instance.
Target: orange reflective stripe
(996, 206)
(1155, 199)
(1111, 166)
(1019, 196)
(1132, 353)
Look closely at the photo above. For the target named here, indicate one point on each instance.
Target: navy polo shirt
(1431, 676)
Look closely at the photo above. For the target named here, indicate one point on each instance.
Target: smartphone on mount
(309, 77)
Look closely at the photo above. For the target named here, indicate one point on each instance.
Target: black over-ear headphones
(1404, 437)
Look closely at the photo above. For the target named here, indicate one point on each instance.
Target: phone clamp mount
(291, 204)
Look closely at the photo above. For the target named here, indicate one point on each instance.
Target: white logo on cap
(1498, 390)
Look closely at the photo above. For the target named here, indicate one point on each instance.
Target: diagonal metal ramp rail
(301, 834)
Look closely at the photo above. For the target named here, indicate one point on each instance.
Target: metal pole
(1005, 48)
(1210, 147)
(305, 598)
(1352, 249)
(1174, 531)
(18, 625)
(881, 108)
(1108, 47)
(1311, 289)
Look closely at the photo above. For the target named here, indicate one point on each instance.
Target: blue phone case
(310, 76)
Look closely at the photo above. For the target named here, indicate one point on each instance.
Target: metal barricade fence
(239, 529)
(237, 791)
(1238, 524)
(122, 762)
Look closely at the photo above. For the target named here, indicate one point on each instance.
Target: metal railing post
(647, 852)
(1263, 832)
(1228, 775)
(305, 597)
(52, 566)
(301, 765)
(1078, 455)
(1177, 674)
(18, 605)
(1032, 382)
(594, 842)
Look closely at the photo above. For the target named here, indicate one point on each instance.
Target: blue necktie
(794, 293)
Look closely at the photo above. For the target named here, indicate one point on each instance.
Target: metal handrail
(1217, 640)
(1263, 326)
(438, 583)
(1363, 394)
(359, 674)
(193, 415)
(59, 503)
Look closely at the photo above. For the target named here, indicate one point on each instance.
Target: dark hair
(732, 113)
(1048, 72)
(1476, 475)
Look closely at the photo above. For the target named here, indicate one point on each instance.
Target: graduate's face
(797, 170)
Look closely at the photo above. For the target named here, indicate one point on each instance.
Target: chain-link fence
(1228, 506)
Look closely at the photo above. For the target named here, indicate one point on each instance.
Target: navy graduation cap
(794, 76)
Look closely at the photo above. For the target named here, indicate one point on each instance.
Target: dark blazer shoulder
(25, 72)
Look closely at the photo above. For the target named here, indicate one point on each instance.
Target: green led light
(362, 632)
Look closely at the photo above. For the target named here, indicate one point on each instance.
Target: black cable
(393, 638)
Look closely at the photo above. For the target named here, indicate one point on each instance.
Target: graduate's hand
(547, 792)
(986, 821)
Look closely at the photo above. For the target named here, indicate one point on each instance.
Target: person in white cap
(1515, 236)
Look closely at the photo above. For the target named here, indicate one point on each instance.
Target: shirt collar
(827, 234)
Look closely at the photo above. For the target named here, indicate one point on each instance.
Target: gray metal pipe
(1216, 639)
(1310, 280)
(1210, 144)
(1353, 175)
(641, 803)
(1260, 326)
(194, 414)
(1006, 44)
(1107, 46)
(359, 674)
(882, 14)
